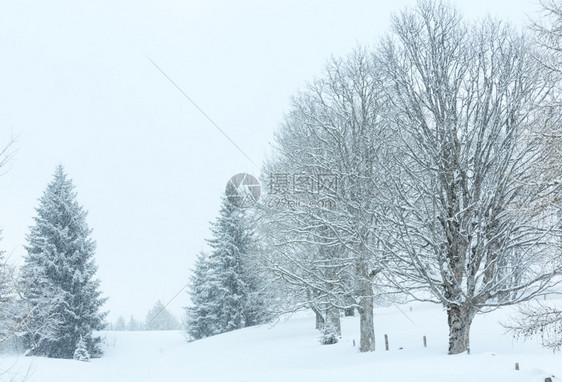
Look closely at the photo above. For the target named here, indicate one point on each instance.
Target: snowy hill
(290, 351)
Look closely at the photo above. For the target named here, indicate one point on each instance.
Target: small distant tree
(160, 318)
(63, 296)
(120, 324)
(134, 325)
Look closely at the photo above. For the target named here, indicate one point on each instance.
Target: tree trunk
(349, 312)
(366, 320)
(459, 319)
(319, 319)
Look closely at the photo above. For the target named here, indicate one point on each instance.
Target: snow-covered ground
(290, 352)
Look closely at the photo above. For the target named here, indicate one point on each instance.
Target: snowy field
(290, 351)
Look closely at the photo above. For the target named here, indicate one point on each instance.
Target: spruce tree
(81, 353)
(63, 295)
(223, 290)
(200, 321)
(120, 324)
(134, 325)
(160, 318)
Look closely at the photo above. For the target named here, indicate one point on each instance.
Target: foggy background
(77, 89)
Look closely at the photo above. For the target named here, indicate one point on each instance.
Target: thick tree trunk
(459, 319)
(319, 319)
(366, 320)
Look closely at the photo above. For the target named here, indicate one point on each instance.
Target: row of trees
(54, 306)
(426, 168)
(157, 318)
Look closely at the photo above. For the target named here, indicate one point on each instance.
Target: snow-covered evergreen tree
(81, 353)
(120, 324)
(199, 322)
(224, 290)
(134, 325)
(329, 335)
(59, 274)
(160, 318)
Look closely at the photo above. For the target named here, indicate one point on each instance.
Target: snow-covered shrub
(329, 335)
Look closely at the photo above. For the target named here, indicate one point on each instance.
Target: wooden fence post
(386, 342)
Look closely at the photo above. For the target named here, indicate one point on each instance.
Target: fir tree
(120, 324)
(63, 295)
(81, 353)
(199, 321)
(329, 335)
(160, 318)
(134, 325)
(223, 290)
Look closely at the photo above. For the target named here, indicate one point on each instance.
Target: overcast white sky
(76, 88)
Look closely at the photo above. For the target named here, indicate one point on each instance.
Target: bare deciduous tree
(464, 219)
(335, 128)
